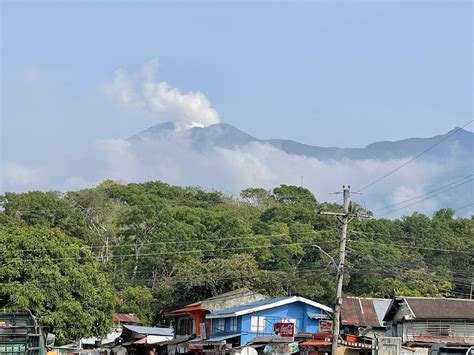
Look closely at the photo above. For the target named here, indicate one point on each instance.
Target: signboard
(285, 330)
(325, 326)
(318, 315)
(248, 350)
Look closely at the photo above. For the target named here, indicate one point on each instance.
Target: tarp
(316, 342)
(149, 330)
(216, 338)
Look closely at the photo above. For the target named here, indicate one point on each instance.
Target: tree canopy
(147, 248)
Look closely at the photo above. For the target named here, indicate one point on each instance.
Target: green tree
(138, 300)
(46, 209)
(57, 278)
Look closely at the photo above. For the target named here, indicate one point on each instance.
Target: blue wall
(296, 310)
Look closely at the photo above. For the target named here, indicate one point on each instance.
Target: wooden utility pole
(344, 218)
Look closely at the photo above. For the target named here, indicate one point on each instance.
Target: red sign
(325, 326)
(285, 330)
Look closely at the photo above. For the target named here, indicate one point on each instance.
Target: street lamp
(333, 262)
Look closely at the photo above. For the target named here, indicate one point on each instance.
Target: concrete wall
(231, 300)
(388, 346)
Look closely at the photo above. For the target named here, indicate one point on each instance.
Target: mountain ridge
(457, 141)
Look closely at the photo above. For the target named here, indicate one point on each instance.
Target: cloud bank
(262, 165)
(22, 176)
(142, 90)
(174, 159)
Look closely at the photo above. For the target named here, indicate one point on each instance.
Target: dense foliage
(146, 248)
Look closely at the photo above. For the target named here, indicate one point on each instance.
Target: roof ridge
(434, 298)
(369, 298)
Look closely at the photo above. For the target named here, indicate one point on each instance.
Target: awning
(316, 342)
(270, 340)
(215, 338)
(313, 315)
(239, 348)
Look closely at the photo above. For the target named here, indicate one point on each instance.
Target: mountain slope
(457, 141)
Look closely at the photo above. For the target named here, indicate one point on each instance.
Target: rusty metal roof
(125, 318)
(363, 312)
(441, 308)
(443, 340)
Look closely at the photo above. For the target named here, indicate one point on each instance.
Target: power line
(418, 247)
(461, 208)
(425, 194)
(166, 253)
(257, 236)
(415, 157)
(427, 198)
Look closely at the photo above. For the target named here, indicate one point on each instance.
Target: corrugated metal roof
(217, 337)
(440, 308)
(381, 305)
(363, 312)
(126, 318)
(149, 330)
(443, 340)
(316, 342)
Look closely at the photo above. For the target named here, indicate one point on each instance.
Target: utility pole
(344, 218)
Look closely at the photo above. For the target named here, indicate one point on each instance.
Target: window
(184, 327)
(218, 325)
(233, 324)
(257, 325)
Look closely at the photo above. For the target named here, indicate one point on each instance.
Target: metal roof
(364, 312)
(149, 330)
(441, 308)
(263, 304)
(433, 308)
(443, 340)
(381, 306)
(217, 337)
(126, 318)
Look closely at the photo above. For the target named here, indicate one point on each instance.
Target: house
(138, 340)
(187, 320)
(265, 322)
(422, 322)
(190, 320)
(120, 319)
(363, 317)
(126, 318)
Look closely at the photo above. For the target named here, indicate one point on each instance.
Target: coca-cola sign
(285, 330)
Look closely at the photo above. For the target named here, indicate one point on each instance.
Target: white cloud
(141, 90)
(19, 176)
(231, 170)
(119, 160)
(174, 160)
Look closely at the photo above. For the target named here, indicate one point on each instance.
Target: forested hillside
(146, 248)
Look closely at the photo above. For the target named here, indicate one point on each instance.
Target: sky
(328, 73)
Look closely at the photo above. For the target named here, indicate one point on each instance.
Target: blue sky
(330, 73)
(327, 73)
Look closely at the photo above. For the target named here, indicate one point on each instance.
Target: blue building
(237, 326)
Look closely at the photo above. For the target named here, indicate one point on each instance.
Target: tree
(137, 300)
(100, 214)
(57, 278)
(46, 209)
